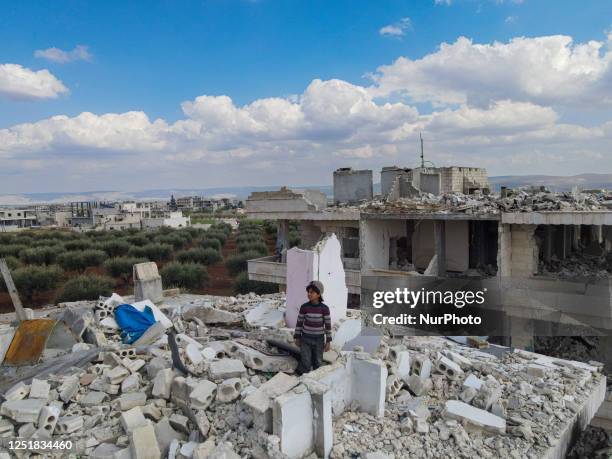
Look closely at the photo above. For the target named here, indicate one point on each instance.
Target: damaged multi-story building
(545, 258)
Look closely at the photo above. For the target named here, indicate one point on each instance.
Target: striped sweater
(313, 319)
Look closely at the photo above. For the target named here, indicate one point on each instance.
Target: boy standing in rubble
(313, 329)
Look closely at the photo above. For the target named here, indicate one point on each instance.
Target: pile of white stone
(427, 397)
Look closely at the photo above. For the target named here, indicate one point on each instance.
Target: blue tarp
(133, 323)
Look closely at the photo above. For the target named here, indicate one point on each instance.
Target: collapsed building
(213, 377)
(545, 258)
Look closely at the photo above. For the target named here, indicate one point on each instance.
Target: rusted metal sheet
(29, 342)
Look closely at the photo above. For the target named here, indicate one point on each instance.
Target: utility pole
(422, 155)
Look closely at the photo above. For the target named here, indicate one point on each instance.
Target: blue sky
(150, 57)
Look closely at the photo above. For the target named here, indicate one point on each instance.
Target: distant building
(17, 219)
(170, 219)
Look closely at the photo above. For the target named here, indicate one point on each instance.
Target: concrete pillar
(440, 245)
(282, 239)
(576, 237)
(548, 243)
(322, 423)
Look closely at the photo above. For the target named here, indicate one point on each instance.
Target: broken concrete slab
(369, 379)
(252, 358)
(266, 314)
(473, 381)
(23, 410)
(474, 417)
(293, 422)
(210, 315)
(164, 434)
(132, 419)
(17, 392)
(163, 383)
(39, 389)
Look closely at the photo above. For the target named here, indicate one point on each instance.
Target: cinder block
(48, 418)
(203, 394)
(69, 424)
(421, 366)
(229, 390)
(449, 368)
(17, 392)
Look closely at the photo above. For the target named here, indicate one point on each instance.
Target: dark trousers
(311, 352)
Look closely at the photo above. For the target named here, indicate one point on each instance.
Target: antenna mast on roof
(422, 156)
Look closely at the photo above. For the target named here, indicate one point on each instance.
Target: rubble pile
(210, 386)
(578, 266)
(463, 402)
(521, 200)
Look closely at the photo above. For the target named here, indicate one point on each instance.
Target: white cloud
(551, 70)
(510, 126)
(511, 19)
(18, 82)
(397, 29)
(443, 2)
(79, 53)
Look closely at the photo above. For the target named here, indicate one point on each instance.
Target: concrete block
(449, 368)
(163, 383)
(155, 365)
(393, 386)
(40, 389)
(151, 335)
(180, 423)
(468, 394)
(132, 419)
(131, 400)
(26, 430)
(147, 282)
(117, 374)
(184, 340)
(293, 422)
(186, 451)
(489, 394)
(229, 390)
(203, 394)
(538, 371)
(6, 428)
(266, 314)
(259, 361)
(105, 451)
(225, 369)
(130, 384)
(17, 392)
(419, 386)
(151, 412)
(143, 443)
(369, 379)
(209, 354)
(463, 362)
(260, 401)
(193, 354)
(93, 398)
(69, 424)
(421, 366)
(23, 410)
(69, 388)
(48, 418)
(401, 361)
(473, 381)
(165, 434)
(211, 315)
(347, 330)
(474, 417)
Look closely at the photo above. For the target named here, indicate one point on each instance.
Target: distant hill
(555, 183)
